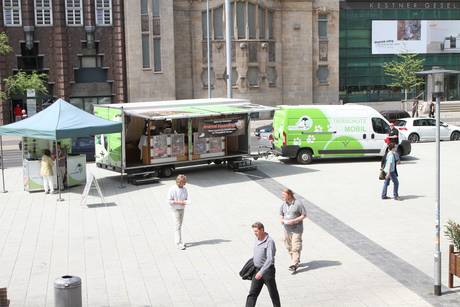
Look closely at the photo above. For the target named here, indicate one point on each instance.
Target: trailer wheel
(304, 156)
(218, 162)
(166, 171)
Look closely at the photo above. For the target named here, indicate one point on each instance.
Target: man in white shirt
(178, 199)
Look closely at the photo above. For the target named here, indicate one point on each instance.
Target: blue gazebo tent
(59, 121)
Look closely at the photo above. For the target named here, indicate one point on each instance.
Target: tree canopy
(403, 71)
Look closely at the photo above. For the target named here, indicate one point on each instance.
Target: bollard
(67, 291)
(4, 301)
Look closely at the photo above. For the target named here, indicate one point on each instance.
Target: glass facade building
(361, 74)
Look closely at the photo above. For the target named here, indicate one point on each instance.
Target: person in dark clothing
(393, 134)
(264, 262)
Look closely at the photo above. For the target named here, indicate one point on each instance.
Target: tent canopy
(59, 121)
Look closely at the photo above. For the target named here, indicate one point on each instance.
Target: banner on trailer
(222, 126)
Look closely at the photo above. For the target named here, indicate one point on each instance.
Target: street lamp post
(208, 46)
(437, 75)
(228, 46)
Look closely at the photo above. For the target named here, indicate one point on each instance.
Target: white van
(306, 132)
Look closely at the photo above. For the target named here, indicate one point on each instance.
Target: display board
(415, 36)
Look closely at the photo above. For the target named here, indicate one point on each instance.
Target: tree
(402, 72)
(19, 83)
(5, 47)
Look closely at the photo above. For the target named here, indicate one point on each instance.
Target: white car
(420, 129)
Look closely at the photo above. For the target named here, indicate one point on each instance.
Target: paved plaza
(358, 250)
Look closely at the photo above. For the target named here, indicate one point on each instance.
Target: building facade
(79, 44)
(373, 33)
(283, 51)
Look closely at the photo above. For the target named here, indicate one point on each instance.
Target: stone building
(77, 43)
(283, 51)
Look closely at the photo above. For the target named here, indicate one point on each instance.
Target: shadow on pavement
(207, 242)
(317, 264)
(407, 197)
(101, 205)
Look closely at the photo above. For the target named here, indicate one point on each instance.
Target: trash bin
(67, 291)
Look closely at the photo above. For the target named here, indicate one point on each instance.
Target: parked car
(420, 129)
(84, 145)
(393, 115)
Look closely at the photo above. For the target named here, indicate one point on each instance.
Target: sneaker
(397, 198)
(292, 268)
(181, 246)
(47, 192)
(385, 197)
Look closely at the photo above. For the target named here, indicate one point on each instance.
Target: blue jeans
(395, 180)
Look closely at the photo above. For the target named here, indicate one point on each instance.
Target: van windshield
(380, 126)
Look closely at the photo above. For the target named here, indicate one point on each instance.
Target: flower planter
(454, 265)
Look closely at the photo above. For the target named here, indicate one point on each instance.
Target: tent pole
(57, 171)
(122, 138)
(3, 169)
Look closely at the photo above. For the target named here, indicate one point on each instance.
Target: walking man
(391, 172)
(292, 214)
(264, 262)
(178, 199)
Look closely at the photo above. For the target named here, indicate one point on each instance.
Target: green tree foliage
(5, 47)
(20, 82)
(452, 232)
(402, 72)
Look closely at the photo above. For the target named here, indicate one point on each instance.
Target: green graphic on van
(306, 132)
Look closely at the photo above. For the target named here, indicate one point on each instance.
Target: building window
(145, 51)
(322, 74)
(271, 52)
(271, 76)
(253, 76)
(43, 13)
(218, 23)
(156, 8)
(73, 15)
(241, 19)
(156, 54)
(252, 50)
(144, 17)
(103, 12)
(156, 32)
(12, 13)
(252, 20)
(271, 35)
(322, 26)
(261, 18)
(204, 77)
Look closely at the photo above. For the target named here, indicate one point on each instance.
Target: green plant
(403, 72)
(452, 232)
(19, 83)
(5, 47)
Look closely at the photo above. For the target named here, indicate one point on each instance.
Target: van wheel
(304, 156)
(166, 171)
(455, 136)
(413, 138)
